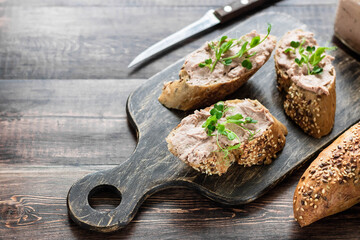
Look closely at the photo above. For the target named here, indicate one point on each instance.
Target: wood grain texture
(39, 118)
(57, 39)
(152, 167)
(29, 50)
(169, 214)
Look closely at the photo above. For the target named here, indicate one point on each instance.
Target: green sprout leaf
(310, 55)
(212, 124)
(211, 45)
(269, 29)
(249, 56)
(237, 116)
(250, 120)
(255, 41)
(206, 63)
(233, 147)
(227, 62)
(294, 44)
(235, 121)
(219, 106)
(223, 38)
(225, 44)
(316, 70)
(242, 50)
(317, 56)
(231, 135)
(246, 64)
(310, 49)
(299, 61)
(221, 128)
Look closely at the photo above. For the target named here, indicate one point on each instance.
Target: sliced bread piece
(331, 183)
(190, 142)
(199, 86)
(310, 99)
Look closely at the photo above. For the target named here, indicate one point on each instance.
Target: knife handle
(236, 8)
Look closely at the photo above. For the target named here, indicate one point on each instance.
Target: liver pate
(310, 100)
(318, 83)
(222, 73)
(191, 144)
(198, 87)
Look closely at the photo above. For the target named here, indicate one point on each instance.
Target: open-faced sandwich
(307, 76)
(216, 70)
(210, 140)
(331, 182)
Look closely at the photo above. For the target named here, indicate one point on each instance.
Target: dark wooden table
(63, 88)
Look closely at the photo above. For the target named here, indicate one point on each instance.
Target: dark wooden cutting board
(152, 167)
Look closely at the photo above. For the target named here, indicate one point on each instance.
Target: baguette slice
(191, 144)
(198, 87)
(310, 99)
(331, 183)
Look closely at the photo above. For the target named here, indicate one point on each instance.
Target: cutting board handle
(134, 187)
(87, 217)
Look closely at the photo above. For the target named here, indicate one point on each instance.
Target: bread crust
(331, 183)
(314, 113)
(184, 96)
(258, 151)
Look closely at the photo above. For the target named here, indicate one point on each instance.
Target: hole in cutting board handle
(104, 198)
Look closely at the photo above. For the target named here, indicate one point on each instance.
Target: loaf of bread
(310, 99)
(199, 87)
(190, 142)
(331, 183)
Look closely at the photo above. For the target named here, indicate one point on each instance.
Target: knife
(210, 19)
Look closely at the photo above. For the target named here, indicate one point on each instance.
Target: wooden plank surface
(152, 167)
(56, 39)
(39, 116)
(40, 186)
(171, 214)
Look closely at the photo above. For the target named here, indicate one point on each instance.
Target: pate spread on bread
(190, 142)
(310, 98)
(199, 86)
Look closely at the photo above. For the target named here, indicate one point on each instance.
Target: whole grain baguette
(184, 94)
(331, 182)
(260, 150)
(313, 112)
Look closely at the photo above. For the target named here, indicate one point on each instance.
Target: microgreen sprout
(310, 55)
(215, 128)
(224, 44)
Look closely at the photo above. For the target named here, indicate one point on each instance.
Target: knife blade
(210, 19)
